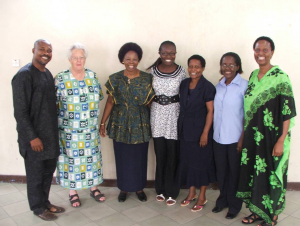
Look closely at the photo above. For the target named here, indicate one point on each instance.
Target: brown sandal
(75, 200)
(97, 197)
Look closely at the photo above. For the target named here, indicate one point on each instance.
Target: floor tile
(7, 222)
(296, 214)
(116, 219)
(282, 216)
(27, 219)
(47, 223)
(291, 207)
(111, 193)
(17, 208)
(20, 187)
(7, 189)
(290, 221)
(56, 188)
(159, 221)
(212, 196)
(91, 224)
(54, 198)
(161, 207)
(182, 215)
(121, 206)
(140, 213)
(293, 197)
(221, 217)
(3, 214)
(12, 198)
(204, 221)
(74, 218)
(98, 211)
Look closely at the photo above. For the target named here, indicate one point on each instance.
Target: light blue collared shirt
(229, 110)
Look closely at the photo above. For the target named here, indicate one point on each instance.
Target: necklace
(132, 76)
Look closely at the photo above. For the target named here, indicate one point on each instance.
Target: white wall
(207, 27)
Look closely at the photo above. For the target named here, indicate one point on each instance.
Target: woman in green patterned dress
(269, 117)
(78, 94)
(130, 91)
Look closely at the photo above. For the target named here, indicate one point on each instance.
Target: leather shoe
(231, 215)
(47, 215)
(217, 209)
(141, 196)
(122, 196)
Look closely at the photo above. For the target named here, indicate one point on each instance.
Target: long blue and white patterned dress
(79, 165)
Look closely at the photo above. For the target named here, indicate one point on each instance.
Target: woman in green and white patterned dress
(78, 94)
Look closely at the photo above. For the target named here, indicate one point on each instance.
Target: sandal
(97, 197)
(57, 208)
(160, 198)
(75, 200)
(170, 201)
(267, 224)
(187, 202)
(198, 208)
(251, 219)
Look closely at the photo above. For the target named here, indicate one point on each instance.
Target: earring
(123, 62)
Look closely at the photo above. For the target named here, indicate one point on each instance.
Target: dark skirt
(131, 165)
(196, 165)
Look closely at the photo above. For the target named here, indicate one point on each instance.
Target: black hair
(158, 61)
(236, 58)
(130, 46)
(266, 39)
(197, 57)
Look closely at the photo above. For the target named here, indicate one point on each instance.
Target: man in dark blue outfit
(35, 113)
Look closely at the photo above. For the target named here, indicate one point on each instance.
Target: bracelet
(102, 124)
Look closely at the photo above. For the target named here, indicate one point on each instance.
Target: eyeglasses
(78, 58)
(231, 66)
(168, 54)
(258, 50)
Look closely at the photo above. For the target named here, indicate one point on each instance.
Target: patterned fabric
(164, 117)
(263, 177)
(129, 118)
(80, 162)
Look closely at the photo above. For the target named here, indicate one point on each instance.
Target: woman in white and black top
(167, 76)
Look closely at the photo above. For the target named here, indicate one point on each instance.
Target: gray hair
(77, 45)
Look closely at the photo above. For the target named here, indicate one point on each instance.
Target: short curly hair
(197, 57)
(265, 38)
(130, 46)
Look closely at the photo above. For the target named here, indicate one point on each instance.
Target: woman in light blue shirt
(228, 132)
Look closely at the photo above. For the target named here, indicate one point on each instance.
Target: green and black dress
(263, 177)
(129, 127)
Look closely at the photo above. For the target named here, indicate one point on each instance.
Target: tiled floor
(14, 210)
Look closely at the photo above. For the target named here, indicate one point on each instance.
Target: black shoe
(231, 215)
(141, 196)
(217, 209)
(122, 196)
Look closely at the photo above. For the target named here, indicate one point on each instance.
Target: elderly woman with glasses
(78, 94)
